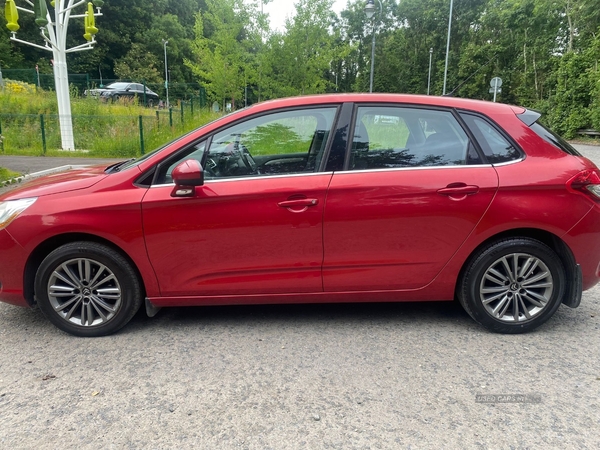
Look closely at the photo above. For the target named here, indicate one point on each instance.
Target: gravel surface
(379, 376)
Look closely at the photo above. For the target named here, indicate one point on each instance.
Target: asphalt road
(380, 376)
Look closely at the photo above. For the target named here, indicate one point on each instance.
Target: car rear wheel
(513, 285)
(87, 289)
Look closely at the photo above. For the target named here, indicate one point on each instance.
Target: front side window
(276, 144)
(394, 137)
(280, 143)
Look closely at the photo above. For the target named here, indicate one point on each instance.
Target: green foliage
(574, 93)
(546, 51)
(138, 64)
(6, 175)
(219, 48)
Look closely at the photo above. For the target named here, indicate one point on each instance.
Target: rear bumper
(13, 259)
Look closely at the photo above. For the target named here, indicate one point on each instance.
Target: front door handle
(299, 203)
(459, 190)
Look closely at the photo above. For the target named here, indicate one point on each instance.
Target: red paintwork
(188, 174)
(381, 224)
(328, 237)
(234, 238)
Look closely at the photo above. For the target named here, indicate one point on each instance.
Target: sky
(279, 10)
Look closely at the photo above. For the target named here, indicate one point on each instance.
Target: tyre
(513, 285)
(150, 103)
(116, 98)
(87, 289)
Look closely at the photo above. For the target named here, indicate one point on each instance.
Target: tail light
(586, 182)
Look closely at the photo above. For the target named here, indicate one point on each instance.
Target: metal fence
(102, 135)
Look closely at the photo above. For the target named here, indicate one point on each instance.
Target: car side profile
(332, 198)
(115, 91)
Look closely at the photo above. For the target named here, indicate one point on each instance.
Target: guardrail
(588, 132)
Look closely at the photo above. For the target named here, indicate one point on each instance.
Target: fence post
(43, 129)
(141, 121)
(144, 82)
(192, 105)
(157, 119)
(171, 116)
(181, 103)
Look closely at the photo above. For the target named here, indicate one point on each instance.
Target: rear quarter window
(496, 147)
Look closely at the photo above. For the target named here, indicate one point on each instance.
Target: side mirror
(187, 175)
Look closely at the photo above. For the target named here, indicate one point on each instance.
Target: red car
(335, 198)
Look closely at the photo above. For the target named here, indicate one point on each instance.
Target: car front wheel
(513, 285)
(87, 289)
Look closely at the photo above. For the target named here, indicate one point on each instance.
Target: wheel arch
(46, 247)
(551, 240)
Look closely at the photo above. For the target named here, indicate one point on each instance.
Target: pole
(495, 88)
(447, 47)
(372, 58)
(43, 130)
(141, 125)
(429, 77)
(370, 12)
(166, 71)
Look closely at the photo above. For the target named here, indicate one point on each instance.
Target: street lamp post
(447, 47)
(166, 71)
(429, 77)
(370, 12)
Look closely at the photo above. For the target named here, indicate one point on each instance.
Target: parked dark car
(114, 91)
(334, 198)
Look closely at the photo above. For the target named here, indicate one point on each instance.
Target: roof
(452, 102)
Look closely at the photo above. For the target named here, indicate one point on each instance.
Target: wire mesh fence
(101, 135)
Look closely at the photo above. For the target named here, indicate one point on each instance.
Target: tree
(138, 64)
(299, 60)
(219, 48)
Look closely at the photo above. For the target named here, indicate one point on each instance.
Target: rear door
(413, 189)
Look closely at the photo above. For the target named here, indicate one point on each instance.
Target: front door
(255, 226)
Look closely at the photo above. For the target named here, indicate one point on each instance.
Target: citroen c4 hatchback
(335, 198)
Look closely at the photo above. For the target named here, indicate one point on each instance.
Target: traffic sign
(496, 82)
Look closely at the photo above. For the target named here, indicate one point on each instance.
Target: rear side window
(554, 139)
(388, 137)
(495, 146)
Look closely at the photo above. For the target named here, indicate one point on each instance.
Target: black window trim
(208, 138)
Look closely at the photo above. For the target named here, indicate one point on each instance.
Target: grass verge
(7, 175)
